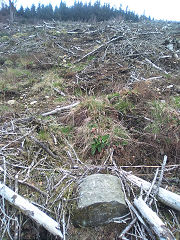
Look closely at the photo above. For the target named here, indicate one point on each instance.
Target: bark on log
(30, 210)
(154, 221)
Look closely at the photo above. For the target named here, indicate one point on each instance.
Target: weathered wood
(60, 109)
(155, 66)
(30, 210)
(154, 221)
(168, 198)
(97, 49)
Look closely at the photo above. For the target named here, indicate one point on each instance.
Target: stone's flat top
(100, 188)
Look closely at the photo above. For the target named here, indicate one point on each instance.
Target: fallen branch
(152, 78)
(97, 49)
(168, 198)
(154, 221)
(133, 209)
(30, 210)
(161, 176)
(60, 109)
(17, 181)
(129, 226)
(43, 146)
(65, 49)
(155, 66)
(59, 92)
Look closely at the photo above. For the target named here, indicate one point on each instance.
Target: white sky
(159, 9)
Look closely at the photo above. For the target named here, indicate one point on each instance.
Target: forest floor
(124, 79)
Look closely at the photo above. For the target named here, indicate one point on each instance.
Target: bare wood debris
(30, 210)
(155, 222)
(60, 109)
(169, 198)
(67, 178)
(40, 163)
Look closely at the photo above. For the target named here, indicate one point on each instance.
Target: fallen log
(162, 232)
(30, 210)
(168, 198)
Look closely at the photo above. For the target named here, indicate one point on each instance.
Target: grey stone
(101, 199)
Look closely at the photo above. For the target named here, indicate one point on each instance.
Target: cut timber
(154, 221)
(30, 210)
(168, 198)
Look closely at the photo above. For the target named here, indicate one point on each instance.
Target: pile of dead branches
(40, 167)
(39, 182)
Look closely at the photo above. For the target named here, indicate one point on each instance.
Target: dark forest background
(78, 12)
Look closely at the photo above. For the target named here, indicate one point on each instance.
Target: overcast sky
(159, 9)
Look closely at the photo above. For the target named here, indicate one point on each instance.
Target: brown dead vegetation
(128, 115)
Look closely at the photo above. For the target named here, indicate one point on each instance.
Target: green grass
(122, 135)
(8, 63)
(47, 82)
(60, 99)
(14, 79)
(25, 61)
(121, 103)
(4, 39)
(113, 95)
(5, 109)
(92, 125)
(163, 115)
(58, 83)
(124, 106)
(19, 35)
(43, 135)
(95, 106)
(15, 73)
(176, 102)
(66, 130)
(158, 116)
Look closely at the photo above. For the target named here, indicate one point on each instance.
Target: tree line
(78, 12)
